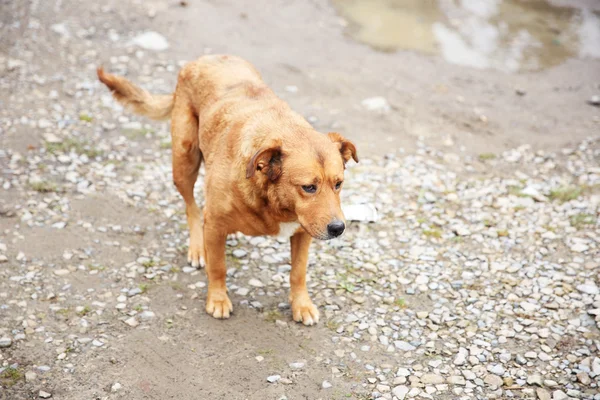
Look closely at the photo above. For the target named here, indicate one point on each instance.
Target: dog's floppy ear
(347, 148)
(266, 160)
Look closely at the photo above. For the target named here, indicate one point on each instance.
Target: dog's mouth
(319, 235)
(323, 235)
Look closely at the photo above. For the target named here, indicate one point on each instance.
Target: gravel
(478, 279)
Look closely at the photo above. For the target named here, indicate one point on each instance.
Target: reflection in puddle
(509, 35)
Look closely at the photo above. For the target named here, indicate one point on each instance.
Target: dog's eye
(338, 185)
(309, 188)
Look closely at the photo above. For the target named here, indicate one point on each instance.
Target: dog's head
(304, 176)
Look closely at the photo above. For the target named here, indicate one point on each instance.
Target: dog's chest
(287, 229)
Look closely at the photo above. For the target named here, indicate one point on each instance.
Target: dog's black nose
(335, 228)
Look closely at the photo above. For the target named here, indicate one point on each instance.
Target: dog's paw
(303, 310)
(218, 305)
(196, 256)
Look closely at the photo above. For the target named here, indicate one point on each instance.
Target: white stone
(360, 212)
(400, 392)
(559, 395)
(404, 346)
(297, 365)
(589, 288)
(255, 283)
(377, 104)
(116, 387)
(239, 253)
(60, 29)
(579, 248)
(150, 40)
(529, 307)
(432, 379)
(147, 315)
(460, 359)
(497, 369)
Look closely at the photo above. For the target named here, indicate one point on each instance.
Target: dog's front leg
(303, 309)
(217, 302)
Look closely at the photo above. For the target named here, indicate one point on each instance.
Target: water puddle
(508, 35)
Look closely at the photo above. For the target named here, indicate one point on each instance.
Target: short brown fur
(261, 159)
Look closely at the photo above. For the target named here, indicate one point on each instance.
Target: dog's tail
(138, 100)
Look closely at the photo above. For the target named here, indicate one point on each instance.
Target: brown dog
(268, 172)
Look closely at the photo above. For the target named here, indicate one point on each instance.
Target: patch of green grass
(580, 220)
(72, 144)
(517, 191)
(306, 347)
(85, 117)
(433, 233)
(63, 147)
(86, 310)
(10, 377)
(272, 315)
(401, 302)
(565, 193)
(44, 186)
(138, 308)
(165, 145)
(234, 262)
(486, 156)
(148, 264)
(143, 287)
(92, 153)
(265, 352)
(65, 312)
(137, 133)
(116, 163)
(347, 286)
(332, 325)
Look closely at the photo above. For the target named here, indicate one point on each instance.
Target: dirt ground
(303, 44)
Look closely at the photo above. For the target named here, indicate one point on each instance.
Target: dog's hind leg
(186, 163)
